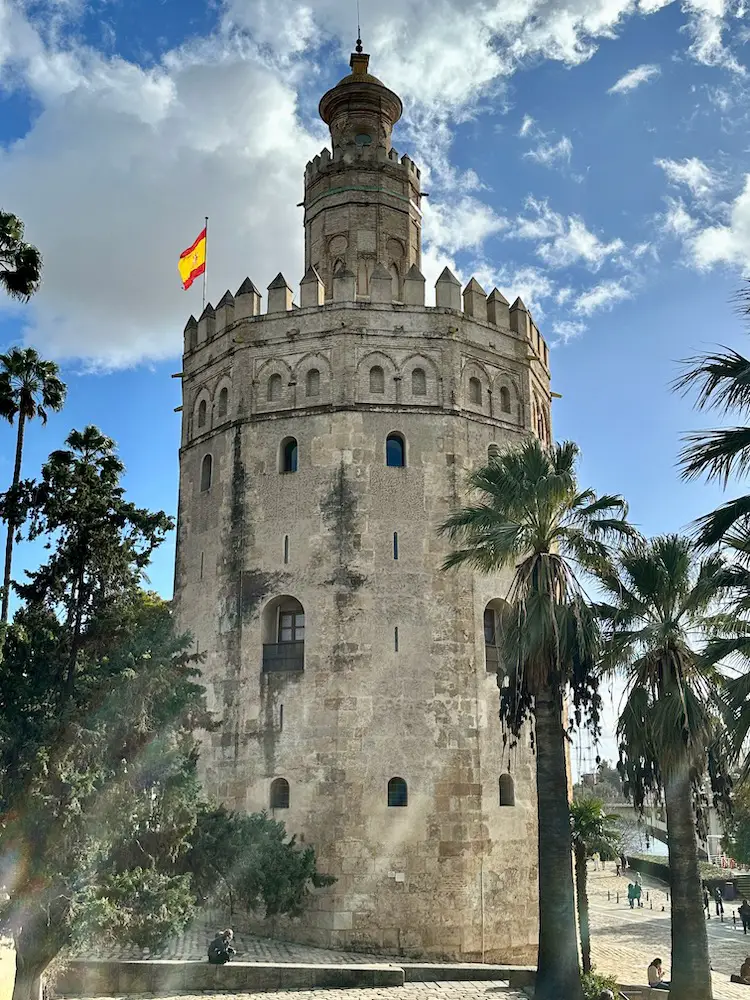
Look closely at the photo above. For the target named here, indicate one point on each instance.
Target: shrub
(593, 984)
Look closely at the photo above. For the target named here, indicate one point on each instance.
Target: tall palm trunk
(11, 523)
(558, 975)
(582, 902)
(691, 975)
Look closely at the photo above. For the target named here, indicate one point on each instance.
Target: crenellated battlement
(363, 155)
(471, 303)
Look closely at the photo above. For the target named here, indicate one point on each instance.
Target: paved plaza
(623, 943)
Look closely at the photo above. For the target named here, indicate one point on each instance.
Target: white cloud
(568, 329)
(728, 242)
(526, 125)
(563, 241)
(549, 154)
(601, 297)
(694, 174)
(676, 221)
(634, 78)
(707, 24)
(463, 225)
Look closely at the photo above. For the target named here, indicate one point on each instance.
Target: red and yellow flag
(192, 262)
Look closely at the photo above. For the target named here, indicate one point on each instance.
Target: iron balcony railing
(492, 657)
(283, 656)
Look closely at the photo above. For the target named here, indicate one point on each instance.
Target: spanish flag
(192, 261)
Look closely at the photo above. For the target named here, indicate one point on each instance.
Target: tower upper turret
(362, 203)
(360, 110)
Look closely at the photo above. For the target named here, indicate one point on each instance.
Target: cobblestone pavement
(412, 991)
(623, 941)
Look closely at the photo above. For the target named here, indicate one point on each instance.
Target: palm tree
(20, 262)
(723, 382)
(29, 387)
(663, 614)
(593, 831)
(531, 516)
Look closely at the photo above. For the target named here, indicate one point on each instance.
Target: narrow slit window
(395, 545)
(223, 402)
(395, 639)
(202, 411)
(475, 391)
(281, 718)
(493, 452)
(274, 388)
(206, 473)
(201, 565)
(505, 399)
(286, 549)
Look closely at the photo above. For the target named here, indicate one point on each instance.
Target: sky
(588, 155)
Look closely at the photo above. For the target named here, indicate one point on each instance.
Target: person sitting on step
(655, 976)
(220, 950)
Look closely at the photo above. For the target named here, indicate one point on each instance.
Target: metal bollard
(618, 898)
(651, 905)
(646, 897)
(734, 918)
(609, 897)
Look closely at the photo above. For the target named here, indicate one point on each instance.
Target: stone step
(107, 978)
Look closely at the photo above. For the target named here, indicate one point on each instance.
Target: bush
(593, 984)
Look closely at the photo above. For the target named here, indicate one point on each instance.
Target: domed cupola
(360, 110)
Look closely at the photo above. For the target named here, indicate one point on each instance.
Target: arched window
(493, 452)
(274, 388)
(395, 451)
(202, 411)
(377, 379)
(505, 399)
(475, 390)
(312, 383)
(418, 382)
(492, 624)
(206, 470)
(283, 624)
(395, 283)
(289, 452)
(223, 402)
(279, 793)
(398, 794)
(507, 790)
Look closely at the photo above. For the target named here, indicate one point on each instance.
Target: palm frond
(722, 380)
(717, 454)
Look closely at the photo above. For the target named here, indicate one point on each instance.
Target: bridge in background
(654, 823)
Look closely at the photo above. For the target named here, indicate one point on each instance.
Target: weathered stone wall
(453, 873)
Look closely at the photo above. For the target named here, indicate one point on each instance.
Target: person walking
(744, 912)
(706, 902)
(637, 893)
(631, 895)
(595, 858)
(719, 900)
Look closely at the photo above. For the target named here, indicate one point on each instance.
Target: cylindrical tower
(322, 447)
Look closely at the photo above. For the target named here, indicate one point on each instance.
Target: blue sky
(589, 155)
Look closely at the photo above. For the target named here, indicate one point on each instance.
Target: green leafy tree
(530, 516)
(20, 262)
(29, 388)
(103, 544)
(663, 610)
(607, 785)
(100, 705)
(594, 831)
(251, 861)
(737, 826)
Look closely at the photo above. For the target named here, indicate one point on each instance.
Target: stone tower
(322, 445)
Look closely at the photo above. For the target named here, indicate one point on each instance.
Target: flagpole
(205, 266)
